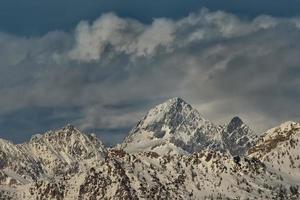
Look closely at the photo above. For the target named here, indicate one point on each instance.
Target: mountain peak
(69, 127)
(65, 146)
(175, 100)
(237, 136)
(173, 105)
(167, 111)
(65, 132)
(236, 119)
(283, 129)
(174, 123)
(235, 123)
(276, 140)
(288, 124)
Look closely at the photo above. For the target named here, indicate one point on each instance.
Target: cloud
(223, 64)
(121, 36)
(112, 35)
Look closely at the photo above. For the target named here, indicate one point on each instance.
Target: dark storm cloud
(106, 74)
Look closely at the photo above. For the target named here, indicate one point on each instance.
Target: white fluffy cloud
(112, 34)
(121, 36)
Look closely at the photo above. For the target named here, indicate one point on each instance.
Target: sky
(102, 64)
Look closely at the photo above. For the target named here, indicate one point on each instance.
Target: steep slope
(17, 165)
(171, 127)
(237, 137)
(279, 148)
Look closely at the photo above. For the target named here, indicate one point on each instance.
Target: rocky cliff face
(237, 137)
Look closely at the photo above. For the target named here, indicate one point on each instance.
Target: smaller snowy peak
(288, 124)
(53, 153)
(63, 148)
(67, 134)
(279, 148)
(283, 129)
(237, 137)
(273, 138)
(234, 124)
(64, 133)
(68, 139)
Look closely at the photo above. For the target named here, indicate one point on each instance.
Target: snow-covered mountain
(172, 153)
(176, 127)
(206, 175)
(148, 175)
(171, 127)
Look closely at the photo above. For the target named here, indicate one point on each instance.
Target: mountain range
(172, 153)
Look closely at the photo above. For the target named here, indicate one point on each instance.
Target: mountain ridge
(67, 164)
